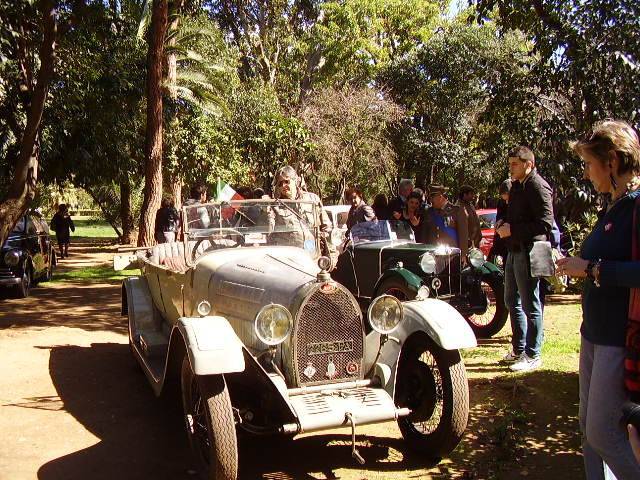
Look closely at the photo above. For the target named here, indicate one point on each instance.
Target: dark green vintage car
(382, 257)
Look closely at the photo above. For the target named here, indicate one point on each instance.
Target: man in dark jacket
(397, 204)
(360, 211)
(529, 219)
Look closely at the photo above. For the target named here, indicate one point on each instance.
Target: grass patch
(92, 228)
(99, 273)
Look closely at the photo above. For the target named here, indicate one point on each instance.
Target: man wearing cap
(446, 223)
(467, 200)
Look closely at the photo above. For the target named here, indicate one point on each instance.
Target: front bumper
(10, 281)
(8, 277)
(332, 407)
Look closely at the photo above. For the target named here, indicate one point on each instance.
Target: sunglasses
(282, 183)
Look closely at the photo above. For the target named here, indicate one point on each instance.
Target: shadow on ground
(509, 435)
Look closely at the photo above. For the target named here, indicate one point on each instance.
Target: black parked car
(382, 257)
(28, 256)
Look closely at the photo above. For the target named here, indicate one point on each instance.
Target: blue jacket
(605, 309)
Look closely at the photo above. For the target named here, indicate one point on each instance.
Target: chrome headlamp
(476, 257)
(273, 324)
(385, 314)
(428, 263)
(12, 258)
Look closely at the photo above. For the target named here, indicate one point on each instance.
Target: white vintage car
(245, 318)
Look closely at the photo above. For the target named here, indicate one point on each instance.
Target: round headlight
(273, 324)
(385, 314)
(12, 258)
(204, 308)
(423, 293)
(476, 257)
(428, 263)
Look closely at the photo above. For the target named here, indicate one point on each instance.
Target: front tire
(495, 316)
(432, 382)
(24, 287)
(210, 424)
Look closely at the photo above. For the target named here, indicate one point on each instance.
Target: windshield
(381, 230)
(251, 223)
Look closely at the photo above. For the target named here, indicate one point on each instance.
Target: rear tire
(210, 424)
(491, 322)
(433, 383)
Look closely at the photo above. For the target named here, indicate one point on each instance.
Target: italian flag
(224, 192)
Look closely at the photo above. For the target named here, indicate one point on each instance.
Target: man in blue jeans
(529, 219)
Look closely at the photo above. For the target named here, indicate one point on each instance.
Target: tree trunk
(153, 143)
(174, 177)
(23, 186)
(126, 216)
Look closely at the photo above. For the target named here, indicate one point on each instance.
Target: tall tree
(153, 142)
(23, 186)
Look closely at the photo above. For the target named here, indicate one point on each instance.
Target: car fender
(412, 280)
(439, 320)
(487, 269)
(212, 345)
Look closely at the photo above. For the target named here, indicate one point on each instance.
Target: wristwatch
(593, 272)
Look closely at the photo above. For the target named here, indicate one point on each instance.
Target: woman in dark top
(62, 224)
(611, 156)
(413, 214)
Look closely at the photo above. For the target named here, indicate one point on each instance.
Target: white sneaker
(512, 357)
(526, 363)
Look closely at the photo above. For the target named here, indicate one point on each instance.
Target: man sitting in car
(287, 186)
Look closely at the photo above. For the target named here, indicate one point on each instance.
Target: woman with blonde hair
(610, 262)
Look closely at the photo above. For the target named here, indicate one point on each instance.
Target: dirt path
(74, 406)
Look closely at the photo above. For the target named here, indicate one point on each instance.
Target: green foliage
(351, 147)
(447, 88)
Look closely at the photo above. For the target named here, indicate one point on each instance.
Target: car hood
(240, 282)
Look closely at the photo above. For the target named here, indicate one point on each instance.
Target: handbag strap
(634, 297)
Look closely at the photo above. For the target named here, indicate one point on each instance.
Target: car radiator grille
(6, 273)
(448, 271)
(328, 339)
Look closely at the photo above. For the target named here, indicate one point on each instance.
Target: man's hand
(504, 230)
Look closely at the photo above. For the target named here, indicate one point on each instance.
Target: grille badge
(310, 371)
(352, 368)
(331, 369)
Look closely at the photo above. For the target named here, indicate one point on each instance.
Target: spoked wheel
(396, 288)
(52, 266)
(490, 322)
(210, 424)
(432, 382)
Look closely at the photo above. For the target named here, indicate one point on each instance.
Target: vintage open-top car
(244, 316)
(382, 257)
